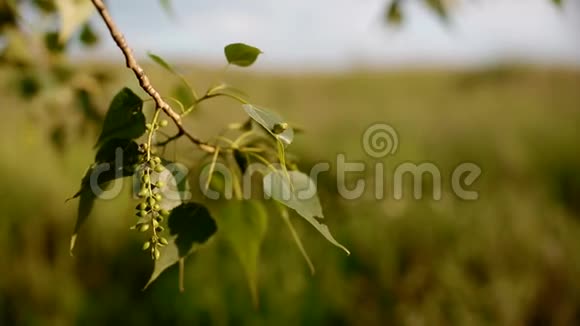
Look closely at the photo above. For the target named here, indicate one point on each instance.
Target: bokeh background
(497, 84)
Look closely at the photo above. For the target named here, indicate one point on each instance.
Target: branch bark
(144, 82)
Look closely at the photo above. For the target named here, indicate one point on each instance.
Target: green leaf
(184, 95)
(190, 225)
(297, 191)
(272, 122)
(72, 14)
(286, 218)
(111, 153)
(187, 88)
(243, 224)
(160, 61)
(241, 54)
(124, 119)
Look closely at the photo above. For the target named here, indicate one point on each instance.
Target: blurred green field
(508, 258)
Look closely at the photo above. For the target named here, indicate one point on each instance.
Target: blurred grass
(509, 258)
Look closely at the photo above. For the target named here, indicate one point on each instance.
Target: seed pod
(163, 241)
(279, 128)
(146, 178)
(146, 245)
(142, 213)
(163, 123)
(157, 159)
(156, 207)
(142, 193)
(155, 223)
(151, 201)
(159, 229)
(156, 254)
(158, 197)
(144, 228)
(164, 213)
(141, 206)
(159, 168)
(159, 218)
(149, 126)
(160, 184)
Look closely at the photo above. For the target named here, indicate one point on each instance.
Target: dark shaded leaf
(114, 160)
(124, 119)
(189, 225)
(241, 54)
(124, 150)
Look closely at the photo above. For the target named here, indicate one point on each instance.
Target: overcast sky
(329, 34)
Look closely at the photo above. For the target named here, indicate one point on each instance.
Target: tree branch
(144, 82)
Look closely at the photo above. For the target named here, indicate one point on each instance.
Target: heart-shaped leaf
(190, 225)
(114, 160)
(124, 119)
(297, 191)
(241, 54)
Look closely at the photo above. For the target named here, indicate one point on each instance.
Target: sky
(344, 34)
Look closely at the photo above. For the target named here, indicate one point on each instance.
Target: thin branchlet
(144, 81)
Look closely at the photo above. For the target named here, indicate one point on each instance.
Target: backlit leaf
(297, 191)
(272, 122)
